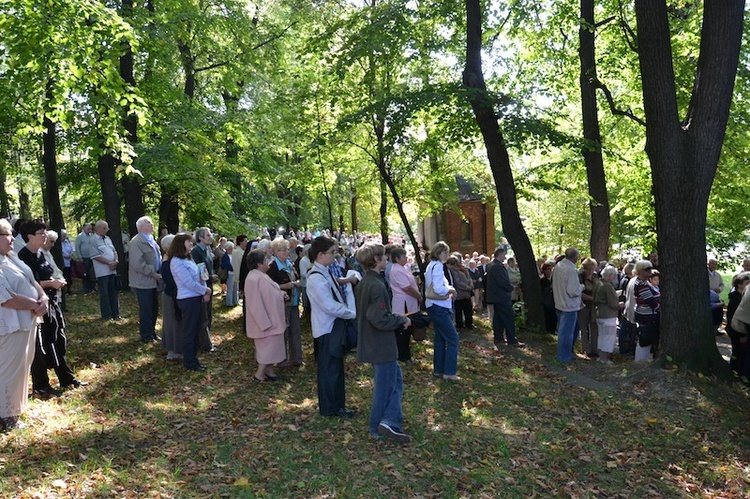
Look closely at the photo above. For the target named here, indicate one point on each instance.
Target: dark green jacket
(376, 325)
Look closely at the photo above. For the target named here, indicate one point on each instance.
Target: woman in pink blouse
(406, 298)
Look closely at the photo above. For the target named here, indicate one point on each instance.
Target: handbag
(430, 294)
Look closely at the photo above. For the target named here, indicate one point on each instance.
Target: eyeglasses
(40, 233)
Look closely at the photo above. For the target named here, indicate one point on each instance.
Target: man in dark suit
(499, 291)
(202, 254)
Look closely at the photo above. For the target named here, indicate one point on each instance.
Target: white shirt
(436, 276)
(16, 279)
(102, 246)
(325, 309)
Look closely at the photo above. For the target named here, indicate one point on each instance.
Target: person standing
(204, 258)
(192, 293)
(67, 253)
(500, 296)
(566, 289)
(440, 310)
(22, 303)
(104, 257)
(145, 277)
(327, 304)
(376, 344)
(83, 251)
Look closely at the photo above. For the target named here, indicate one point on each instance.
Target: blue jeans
(386, 397)
(567, 327)
(148, 310)
(109, 302)
(445, 357)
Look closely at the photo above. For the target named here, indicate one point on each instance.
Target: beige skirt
(270, 350)
(16, 355)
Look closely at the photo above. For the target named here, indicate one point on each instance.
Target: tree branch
(612, 107)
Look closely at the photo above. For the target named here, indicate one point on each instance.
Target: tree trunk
(497, 155)
(108, 180)
(169, 209)
(383, 211)
(684, 156)
(4, 198)
(131, 184)
(52, 189)
(592, 147)
(354, 209)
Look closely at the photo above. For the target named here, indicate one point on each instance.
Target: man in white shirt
(105, 259)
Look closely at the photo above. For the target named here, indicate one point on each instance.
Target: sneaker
(391, 434)
(451, 377)
(606, 362)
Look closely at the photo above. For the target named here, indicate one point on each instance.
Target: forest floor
(517, 425)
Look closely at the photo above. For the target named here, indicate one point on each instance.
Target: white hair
(142, 221)
(166, 241)
(608, 271)
(52, 235)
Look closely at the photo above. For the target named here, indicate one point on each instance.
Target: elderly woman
(171, 326)
(192, 295)
(232, 298)
(51, 342)
(282, 272)
(438, 299)
(464, 287)
(406, 298)
(647, 305)
(548, 297)
(607, 308)
(266, 315)
(22, 301)
(587, 315)
(738, 338)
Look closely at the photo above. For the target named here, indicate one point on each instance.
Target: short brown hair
(367, 254)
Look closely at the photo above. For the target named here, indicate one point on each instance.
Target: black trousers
(464, 312)
(39, 376)
(331, 393)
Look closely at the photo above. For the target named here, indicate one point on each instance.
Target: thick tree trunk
(52, 189)
(108, 181)
(684, 156)
(497, 155)
(169, 209)
(592, 147)
(4, 198)
(131, 184)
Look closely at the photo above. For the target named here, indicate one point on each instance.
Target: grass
(514, 427)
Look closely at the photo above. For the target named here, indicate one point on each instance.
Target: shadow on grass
(148, 426)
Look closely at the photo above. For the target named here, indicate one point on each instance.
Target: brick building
(471, 229)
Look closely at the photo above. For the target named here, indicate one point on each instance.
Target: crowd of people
(355, 292)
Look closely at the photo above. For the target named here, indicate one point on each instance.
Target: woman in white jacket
(445, 357)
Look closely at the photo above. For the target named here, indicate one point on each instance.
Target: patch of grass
(145, 426)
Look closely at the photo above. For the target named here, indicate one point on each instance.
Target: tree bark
(497, 155)
(131, 184)
(354, 209)
(592, 146)
(169, 209)
(107, 165)
(52, 188)
(684, 157)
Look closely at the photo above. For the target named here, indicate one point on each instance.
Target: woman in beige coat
(265, 319)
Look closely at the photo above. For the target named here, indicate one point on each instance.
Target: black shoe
(47, 392)
(75, 384)
(211, 350)
(346, 413)
(472, 327)
(198, 367)
(149, 340)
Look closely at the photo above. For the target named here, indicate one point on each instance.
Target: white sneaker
(391, 434)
